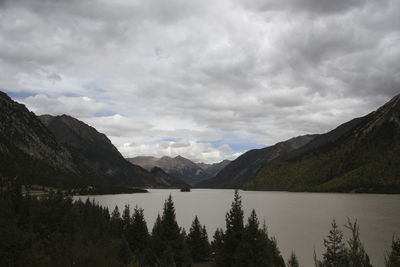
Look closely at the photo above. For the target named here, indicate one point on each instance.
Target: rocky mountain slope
(101, 154)
(243, 169)
(30, 151)
(66, 153)
(181, 167)
(363, 159)
(359, 155)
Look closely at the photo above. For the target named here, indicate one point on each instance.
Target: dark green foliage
(138, 236)
(126, 219)
(338, 255)
(116, 222)
(356, 255)
(55, 231)
(365, 160)
(197, 242)
(244, 246)
(217, 247)
(292, 262)
(393, 258)
(234, 228)
(167, 240)
(335, 254)
(256, 248)
(185, 189)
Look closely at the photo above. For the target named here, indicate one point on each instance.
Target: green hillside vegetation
(361, 161)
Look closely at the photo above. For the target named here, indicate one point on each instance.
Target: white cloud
(199, 71)
(74, 106)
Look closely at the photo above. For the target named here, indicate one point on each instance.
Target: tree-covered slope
(243, 169)
(365, 159)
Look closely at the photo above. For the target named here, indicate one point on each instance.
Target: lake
(299, 221)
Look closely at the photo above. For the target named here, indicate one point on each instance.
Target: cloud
(197, 72)
(74, 106)
(225, 148)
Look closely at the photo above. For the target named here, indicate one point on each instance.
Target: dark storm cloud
(317, 7)
(195, 71)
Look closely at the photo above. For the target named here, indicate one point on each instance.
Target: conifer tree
(116, 222)
(167, 236)
(234, 229)
(335, 254)
(292, 262)
(197, 241)
(138, 235)
(256, 248)
(393, 258)
(356, 255)
(126, 218)
(217, 247)
(156, 244)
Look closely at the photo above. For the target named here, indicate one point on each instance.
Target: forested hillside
(363, 160)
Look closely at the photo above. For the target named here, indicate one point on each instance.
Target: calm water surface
(299, 221)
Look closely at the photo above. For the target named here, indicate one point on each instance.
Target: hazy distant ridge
(181, 167)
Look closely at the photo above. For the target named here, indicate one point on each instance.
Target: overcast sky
(204, 79)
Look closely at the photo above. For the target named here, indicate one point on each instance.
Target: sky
(207, 80)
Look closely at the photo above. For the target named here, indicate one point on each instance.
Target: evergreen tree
(335, 254)
(167, 239)
(124, 252)
(356, 255)
(156, 243)
(393, 258)
(256, 248)
(234, 229)
(244, 246)
(116, 222)
(217, 247)
(293, 262)
(197, 241)
(171, 232)
(126, 218)
(138, 235)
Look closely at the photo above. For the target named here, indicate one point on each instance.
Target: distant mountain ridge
(361, 155)
(180, 167)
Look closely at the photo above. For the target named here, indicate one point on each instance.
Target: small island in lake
(185, 189)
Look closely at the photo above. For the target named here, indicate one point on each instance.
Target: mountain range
(63, 151)
(361, 155)
(180, 167)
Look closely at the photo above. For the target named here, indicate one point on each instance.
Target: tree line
(56, 231)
